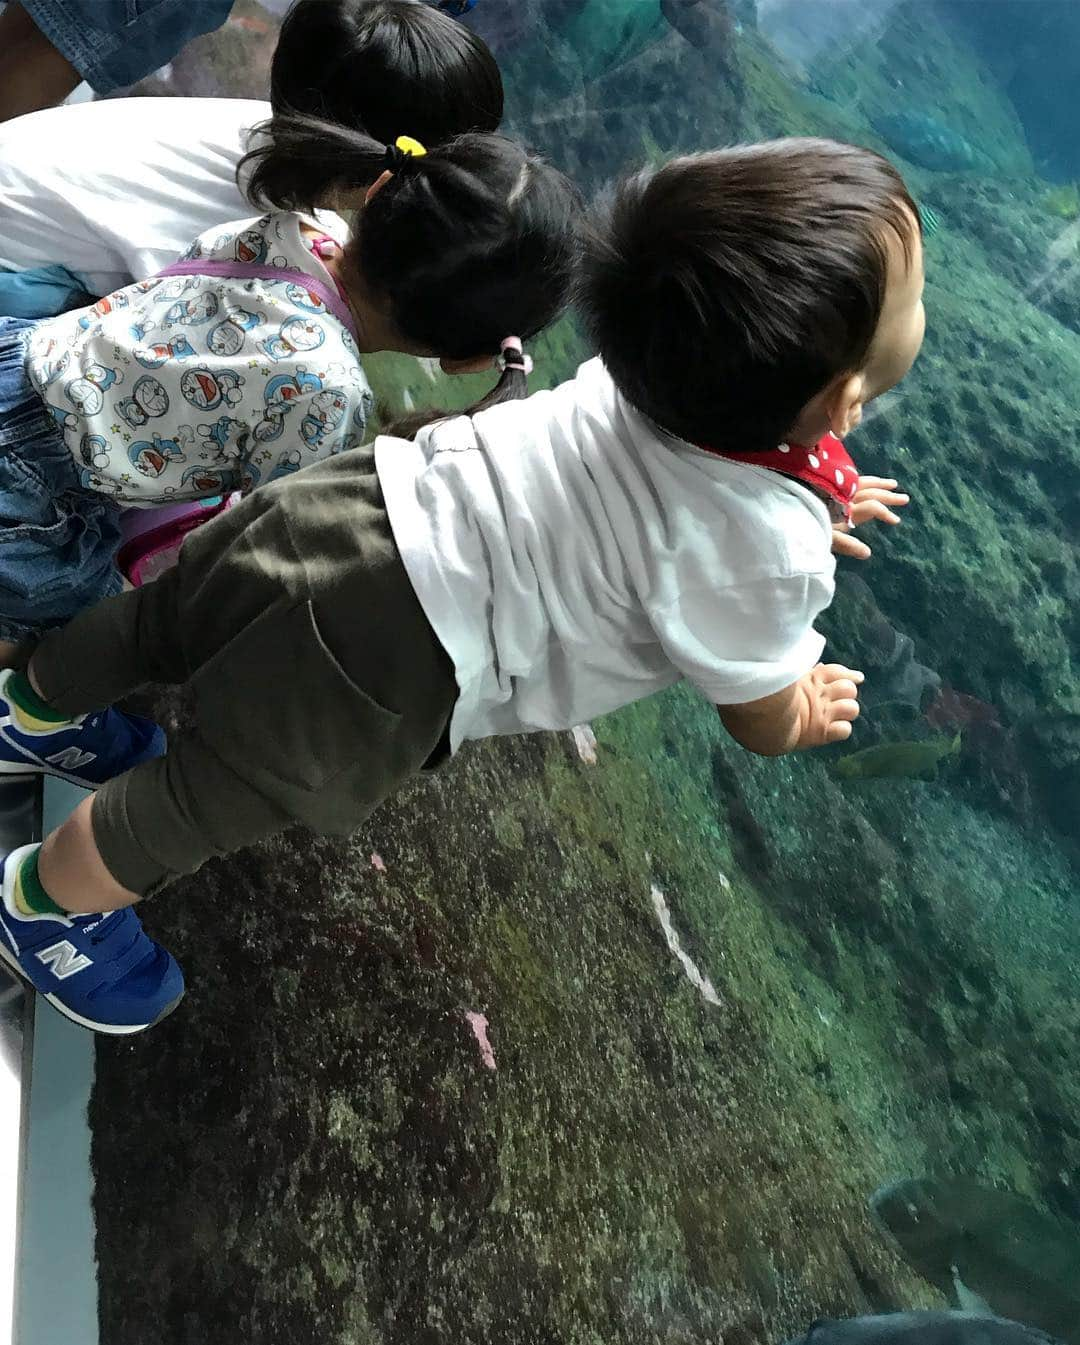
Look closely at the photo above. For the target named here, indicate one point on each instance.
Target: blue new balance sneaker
(101, 971)
(88, 751)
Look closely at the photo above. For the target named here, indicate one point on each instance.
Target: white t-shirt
(571, 559)
(196, 385)
(115, 190)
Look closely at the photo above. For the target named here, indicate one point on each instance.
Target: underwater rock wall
(453, 1080)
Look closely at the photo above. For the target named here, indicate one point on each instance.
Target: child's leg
(163, 819)
(33, 74)
(72, 871)
(112, 649)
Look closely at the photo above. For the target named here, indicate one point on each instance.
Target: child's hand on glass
(818, 709)
(876, 497)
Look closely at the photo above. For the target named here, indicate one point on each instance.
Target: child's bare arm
(817, 709)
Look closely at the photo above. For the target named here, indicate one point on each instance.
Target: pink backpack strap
(249, 271)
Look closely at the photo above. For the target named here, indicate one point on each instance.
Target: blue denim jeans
(58, 541)
(114, 43)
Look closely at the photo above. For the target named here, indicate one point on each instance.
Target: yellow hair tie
(408, 145)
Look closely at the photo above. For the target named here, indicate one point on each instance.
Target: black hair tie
(401, 151)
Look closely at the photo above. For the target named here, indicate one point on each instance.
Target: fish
(456, 8)
(930, 143)
(1021, 1262)
(704, 23)
(898, 761)
(924, 1328)
(931, 220)
(953, 709)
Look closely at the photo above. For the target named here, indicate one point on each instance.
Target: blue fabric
(114, 43)
(41, 293)
(58, 540)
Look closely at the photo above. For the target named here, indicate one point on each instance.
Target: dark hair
(725, 290)
(465, 245)
(388, 67)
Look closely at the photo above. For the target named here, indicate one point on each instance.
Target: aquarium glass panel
(625, 1035)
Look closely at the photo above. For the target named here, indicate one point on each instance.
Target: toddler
(668, 513)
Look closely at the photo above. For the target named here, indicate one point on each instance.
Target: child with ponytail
(669, 513)
(242, 362)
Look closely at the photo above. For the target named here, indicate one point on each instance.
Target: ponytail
(513, 386)
(303, 163)
(467, 240)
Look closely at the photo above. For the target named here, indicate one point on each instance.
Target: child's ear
(473, 366)
(844, 403)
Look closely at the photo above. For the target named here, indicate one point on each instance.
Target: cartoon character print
(145, 286)
(281, 392)
(206, 390)
(66, 423)
(91, 479)
(251, 247)
(296, 334)
(249, 478)
(148, 399)
(346, 444)
(193, 312)
(53, 366)
(154, 356)
(193, 253)
(217, 437)
(303, 298)
(112, 303)
(325, 412)
(228, 337)
(348, 341)
(205, 481)
(177, 286)
(289, 462)
(86, 392)
(94, 451)
(139, 331)
(152, 458)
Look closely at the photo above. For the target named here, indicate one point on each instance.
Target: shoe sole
(26, 768)
(107, 1029)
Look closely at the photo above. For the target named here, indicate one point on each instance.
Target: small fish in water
(924, 1328)
(931, 221)
(929, 143)
(952, 709)
(990, 1246)
(898, 761)
(456, 8)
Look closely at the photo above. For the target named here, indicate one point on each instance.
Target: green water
(893, 990)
